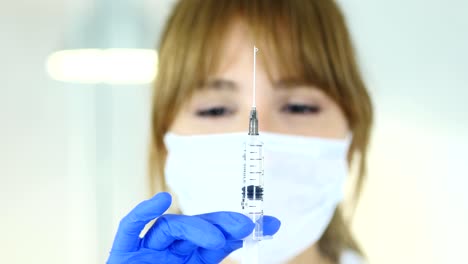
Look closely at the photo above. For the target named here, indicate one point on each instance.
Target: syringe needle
(255, 50)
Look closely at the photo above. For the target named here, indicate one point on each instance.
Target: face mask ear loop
(349, 138)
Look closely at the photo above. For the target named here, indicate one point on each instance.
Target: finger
(183, 247)
(233, 225)
(127, 238)
(271, 225)
(169, 228)
(146, 256)
(150, 257)
(216, 256)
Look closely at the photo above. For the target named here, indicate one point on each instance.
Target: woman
(314, 116)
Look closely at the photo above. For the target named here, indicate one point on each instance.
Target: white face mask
(303, 183)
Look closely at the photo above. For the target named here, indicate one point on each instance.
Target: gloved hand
(206, 238)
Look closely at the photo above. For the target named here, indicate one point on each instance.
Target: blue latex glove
(206, 238)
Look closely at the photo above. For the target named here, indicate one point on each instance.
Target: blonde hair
(307, 39)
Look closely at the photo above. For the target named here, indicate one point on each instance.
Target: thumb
(127, 238)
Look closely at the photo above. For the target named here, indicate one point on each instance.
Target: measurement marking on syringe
(255, 159)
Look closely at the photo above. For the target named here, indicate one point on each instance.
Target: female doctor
(314, 118)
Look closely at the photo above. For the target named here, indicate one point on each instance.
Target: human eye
(214, 112)
(301, 109)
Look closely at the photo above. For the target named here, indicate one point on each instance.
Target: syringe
(252, 190)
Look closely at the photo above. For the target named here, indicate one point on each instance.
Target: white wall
(61, 195)
(416, 63)
(32, 145)
(54, 208)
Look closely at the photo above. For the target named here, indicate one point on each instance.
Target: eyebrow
(220, 84)
(289, 83)
(225, 84)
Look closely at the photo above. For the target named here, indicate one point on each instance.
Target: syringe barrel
(253, 189)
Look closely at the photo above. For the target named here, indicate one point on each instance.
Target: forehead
(235, 50)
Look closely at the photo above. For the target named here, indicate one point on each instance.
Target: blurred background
(73, 147)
